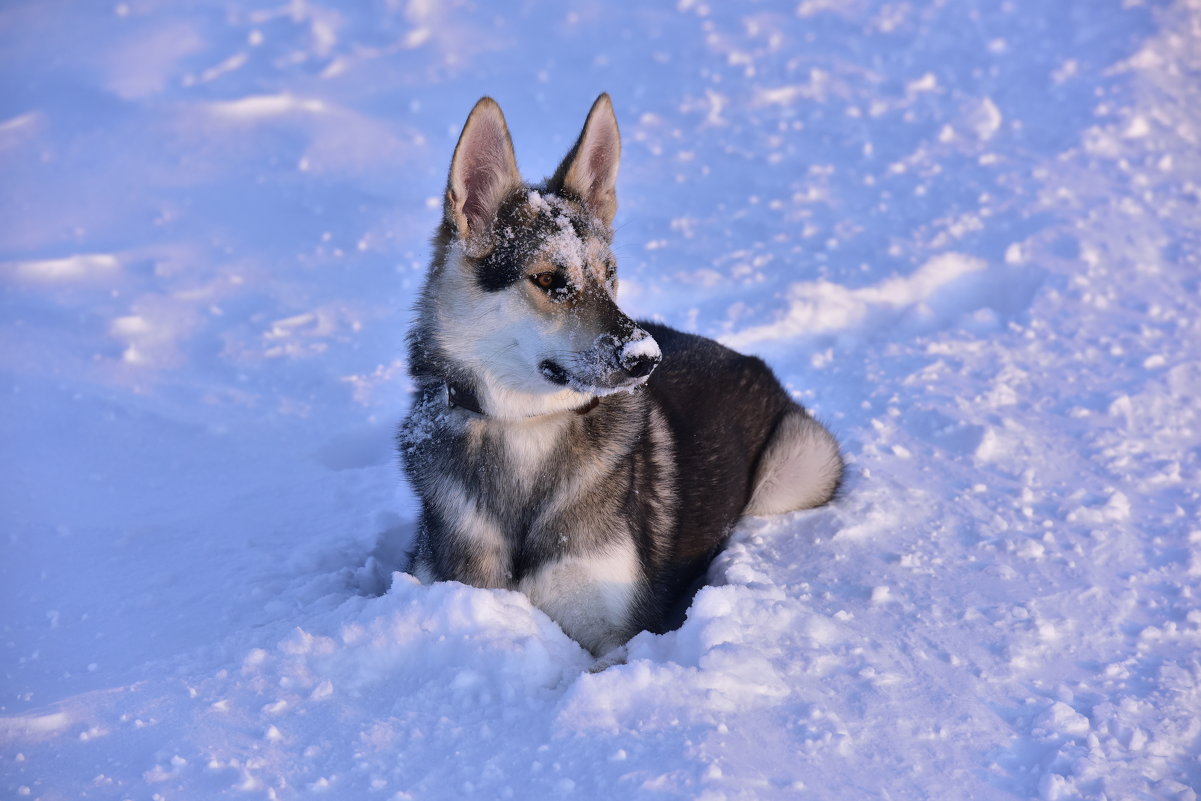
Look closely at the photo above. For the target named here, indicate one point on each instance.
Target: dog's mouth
(554, 373)
(612, 381)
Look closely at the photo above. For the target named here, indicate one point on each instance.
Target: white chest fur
(530, 446)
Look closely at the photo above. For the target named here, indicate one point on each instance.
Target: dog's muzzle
(613, 364)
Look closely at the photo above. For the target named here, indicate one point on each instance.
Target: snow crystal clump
(646, 347)
(563, 247)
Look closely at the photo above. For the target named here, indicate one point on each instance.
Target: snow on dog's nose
(639, 355)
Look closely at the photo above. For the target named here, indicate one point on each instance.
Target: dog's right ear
(483, 171)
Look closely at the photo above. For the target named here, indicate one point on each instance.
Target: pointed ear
(483, 171)
(590, 170)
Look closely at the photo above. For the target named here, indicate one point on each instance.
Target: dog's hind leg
(800, 468)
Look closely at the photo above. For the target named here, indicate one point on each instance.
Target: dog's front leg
(469, 548)
(593, 597)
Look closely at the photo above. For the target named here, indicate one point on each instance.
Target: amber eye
(548, 280)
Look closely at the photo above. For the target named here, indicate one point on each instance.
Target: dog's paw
(617, 656)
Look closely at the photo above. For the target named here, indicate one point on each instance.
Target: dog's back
(724, 409)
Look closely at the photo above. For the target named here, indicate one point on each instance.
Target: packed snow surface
(964, 233)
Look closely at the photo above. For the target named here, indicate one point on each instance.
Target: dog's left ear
(590, 170)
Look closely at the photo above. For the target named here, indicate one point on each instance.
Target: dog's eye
(549, 281)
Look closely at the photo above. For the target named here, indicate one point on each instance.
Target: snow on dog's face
(527, 281)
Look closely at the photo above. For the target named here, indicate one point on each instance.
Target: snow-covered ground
(965, 233)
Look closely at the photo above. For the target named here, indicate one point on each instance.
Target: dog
(559, 448)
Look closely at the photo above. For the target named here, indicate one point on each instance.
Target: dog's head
(524, 282)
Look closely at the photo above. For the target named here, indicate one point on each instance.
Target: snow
(644, 347)
(965, 234)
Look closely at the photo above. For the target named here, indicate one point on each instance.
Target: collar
(460, 396)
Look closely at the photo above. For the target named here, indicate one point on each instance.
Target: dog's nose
(640, 356)
(641, 366)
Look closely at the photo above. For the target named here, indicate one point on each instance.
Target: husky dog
(559, 448)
